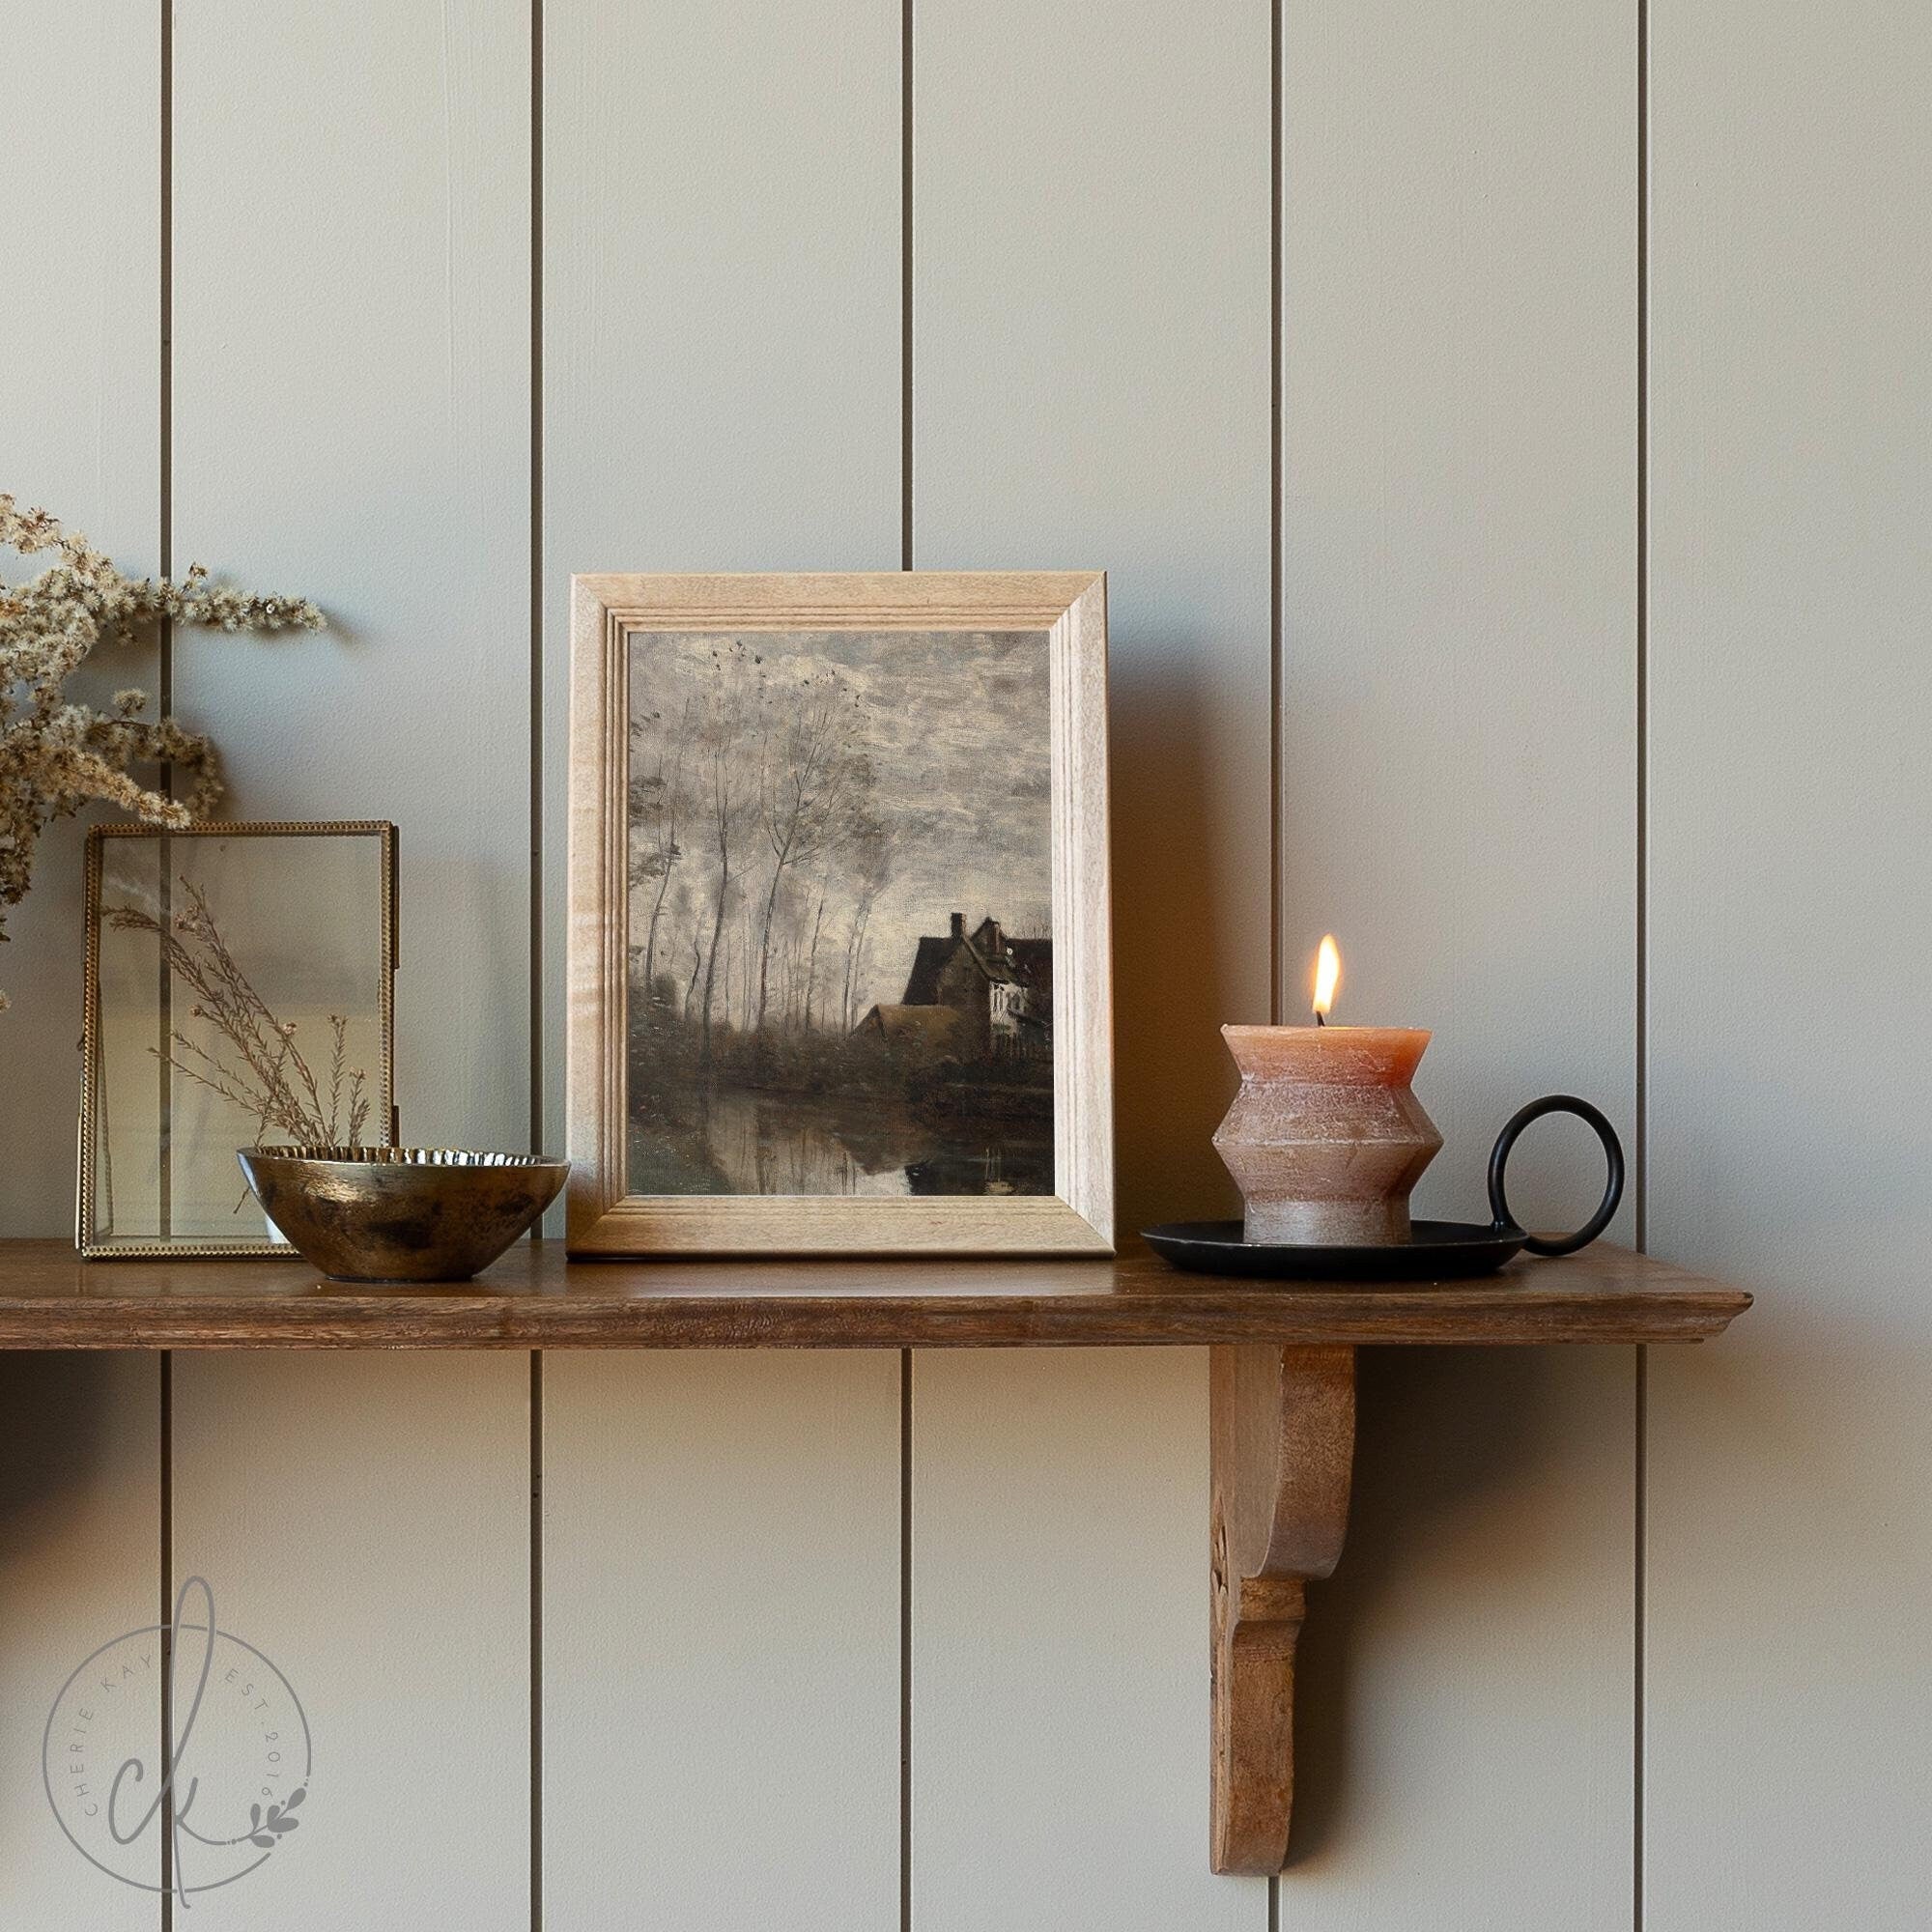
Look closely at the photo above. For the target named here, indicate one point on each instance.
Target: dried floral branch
(273, 1083)
(56, 755)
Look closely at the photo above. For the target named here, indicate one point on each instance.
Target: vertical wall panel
(721, 1642)
(351, 355)
(80, 337)
(1060, 1677)
(351, 360)
(720, 392)
(1465, 1691)
(721, 317)
(1790, 1673)
(81, 334)
(1459, 767)
(1091, 250)
(363, 1521)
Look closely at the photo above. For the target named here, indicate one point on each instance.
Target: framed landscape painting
(838, 915)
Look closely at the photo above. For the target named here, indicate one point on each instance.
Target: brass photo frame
(297, 947)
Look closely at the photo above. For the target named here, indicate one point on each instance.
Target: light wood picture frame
(753, 872)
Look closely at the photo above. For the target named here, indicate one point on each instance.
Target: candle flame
(1327, 975)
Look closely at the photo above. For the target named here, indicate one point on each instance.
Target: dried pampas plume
(55, 755)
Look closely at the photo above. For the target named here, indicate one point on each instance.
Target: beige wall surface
(1506, 432)
(1790, 1523)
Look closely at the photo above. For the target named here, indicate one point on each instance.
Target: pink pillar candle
(1325, 1140)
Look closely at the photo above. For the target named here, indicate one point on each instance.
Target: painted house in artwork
(973, 996)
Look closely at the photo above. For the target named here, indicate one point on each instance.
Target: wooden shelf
(535, 1298)
(1281, 1409)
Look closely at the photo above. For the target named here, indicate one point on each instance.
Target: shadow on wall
(53, 1411)
(1173, 985)
(54, 1428)
(1437, 1430)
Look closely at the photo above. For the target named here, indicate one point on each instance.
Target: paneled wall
(1507, 437)
(1790, 1526)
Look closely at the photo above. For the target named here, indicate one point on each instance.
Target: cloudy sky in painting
(956, 723)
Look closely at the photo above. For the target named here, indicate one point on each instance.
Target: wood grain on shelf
(535, 1297)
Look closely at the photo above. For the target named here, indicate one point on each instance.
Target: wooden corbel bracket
(1283, 1444)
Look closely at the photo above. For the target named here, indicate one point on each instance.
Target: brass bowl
(400, 1213)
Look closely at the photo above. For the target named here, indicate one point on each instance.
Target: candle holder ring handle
(1613, 1187)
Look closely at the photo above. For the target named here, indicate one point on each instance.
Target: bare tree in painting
(812, 955)
(722, 732)
(871, 849)
(656, 801)
(811, 785)
(747, 951)
(697, 967)
(789, 950)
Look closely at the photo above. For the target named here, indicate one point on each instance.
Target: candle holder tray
(1435, 1250)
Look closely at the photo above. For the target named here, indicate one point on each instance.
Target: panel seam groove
(166, 507)
(536, 1639)
(1641, 1163)
(906, 1640)
(1640, 1474)
(536, 937)
(164, 637)
(165, 707)
(1276, 895)
(905, 284)
(905, 563)
(536, 561)
(1640, 1534)
(167, 1563)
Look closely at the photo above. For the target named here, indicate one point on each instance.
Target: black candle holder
(1434, 1251)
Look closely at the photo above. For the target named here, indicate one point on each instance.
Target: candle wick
(1321, 1019)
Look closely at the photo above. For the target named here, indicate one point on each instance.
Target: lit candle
(1325, 1139)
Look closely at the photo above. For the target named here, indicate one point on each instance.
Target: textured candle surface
(1325, 1139)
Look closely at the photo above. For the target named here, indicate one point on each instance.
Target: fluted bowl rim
(429, 1159)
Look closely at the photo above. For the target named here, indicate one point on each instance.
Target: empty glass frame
(238, 994)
